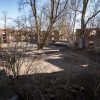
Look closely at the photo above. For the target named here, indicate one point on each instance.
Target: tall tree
(57, 8)
(84, 22)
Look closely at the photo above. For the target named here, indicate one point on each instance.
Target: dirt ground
(61, 64)
(55, 59)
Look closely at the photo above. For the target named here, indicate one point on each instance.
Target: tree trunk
(42, 44)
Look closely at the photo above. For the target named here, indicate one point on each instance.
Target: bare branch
(92, 17)
(62, 10)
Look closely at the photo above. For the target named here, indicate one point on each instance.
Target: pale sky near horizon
(11, 9)
(9, 6)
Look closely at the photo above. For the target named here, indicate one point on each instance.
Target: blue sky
(10, 6)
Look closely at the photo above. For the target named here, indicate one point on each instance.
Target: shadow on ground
(75, 82)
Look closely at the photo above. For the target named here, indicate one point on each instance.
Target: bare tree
(5, 19)
(57, 8)
(84, 22)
